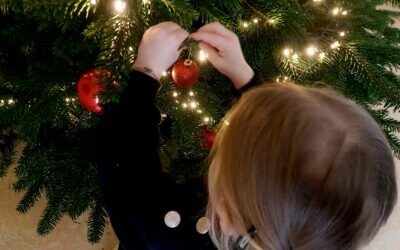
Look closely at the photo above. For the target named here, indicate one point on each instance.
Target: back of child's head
(305, 167)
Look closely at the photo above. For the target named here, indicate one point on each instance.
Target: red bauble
(89, 86)
(185, 73)
(209, 138)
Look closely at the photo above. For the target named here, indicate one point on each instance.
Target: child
(292, 167)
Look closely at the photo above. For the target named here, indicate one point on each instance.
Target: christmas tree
(47, 45)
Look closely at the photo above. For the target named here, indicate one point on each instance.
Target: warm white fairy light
(199, 111)
(193, 105)
(271, 21)
(295, 57)
(286, 52)
(11, 101)
(145, 2)
(164, 73)
(311, 51)
(335, 45)
(202, 56)
(317, 1)
(245, 24)
(175, 94)
(206, 119)
(67, 100)
(119, 5)
(2, 102)
(336, 11)
(93, 2)
(191, 93)
(185, 105)
(342, 33)
(227, 123)
(255, 20)
(322, 56)
(345, 13)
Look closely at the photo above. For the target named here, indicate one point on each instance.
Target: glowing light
(191, 93)
(271, 21)
(203, 56)
(206, 119)
(93, 2)
(175, 94)
(345, 12)
(286, 52)
(119, 5)
(295, 57)
(255, 20)
(164, 73)
(321, 56)
(317, 1)
(245, 24)
(200, 111)
(185, 105)
(227, 123)
(335, 45)
(67, 100)
(335, 11)
(342, 33)
(311, 51)
(193, 105)
(2, 103)
(145, 2)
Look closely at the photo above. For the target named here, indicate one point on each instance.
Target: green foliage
(46, 45)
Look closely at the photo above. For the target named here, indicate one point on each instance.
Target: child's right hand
(224, 52)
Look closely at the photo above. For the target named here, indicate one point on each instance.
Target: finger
(180, 35)
(213, 55)
(211, 38)
(168, 26)
(217, 28)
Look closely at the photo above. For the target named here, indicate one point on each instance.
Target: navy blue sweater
(137, 193)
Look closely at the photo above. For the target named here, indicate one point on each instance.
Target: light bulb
(317, 1)
(191, 93)
(193, 105)
(311, 51)
(335, 45)
(11, 101)
(200, 111)
(207, 119)
(245, 24)
(255, 20)
(271, 21)
(345, 12)
(295, 57)
(185, 105)
(119, 5)
(67, 100)
(164, 73)
(175, 94)
(286, 52)
(342, 33)
(335, 11)
(321, 56)
(202, 56)
(93, 2)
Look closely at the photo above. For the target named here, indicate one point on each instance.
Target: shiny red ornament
(185, 73)
(89, 86)
(209, 138)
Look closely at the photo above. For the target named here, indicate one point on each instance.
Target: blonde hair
(304, 166)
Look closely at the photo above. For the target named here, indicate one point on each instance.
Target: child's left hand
(159, 48)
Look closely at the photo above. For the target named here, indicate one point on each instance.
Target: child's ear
(225, 221)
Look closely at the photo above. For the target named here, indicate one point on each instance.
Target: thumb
(213, 55)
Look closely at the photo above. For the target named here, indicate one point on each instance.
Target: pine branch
(97, 222)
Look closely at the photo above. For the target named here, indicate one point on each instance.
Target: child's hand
(224, 52)
(159, 47)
